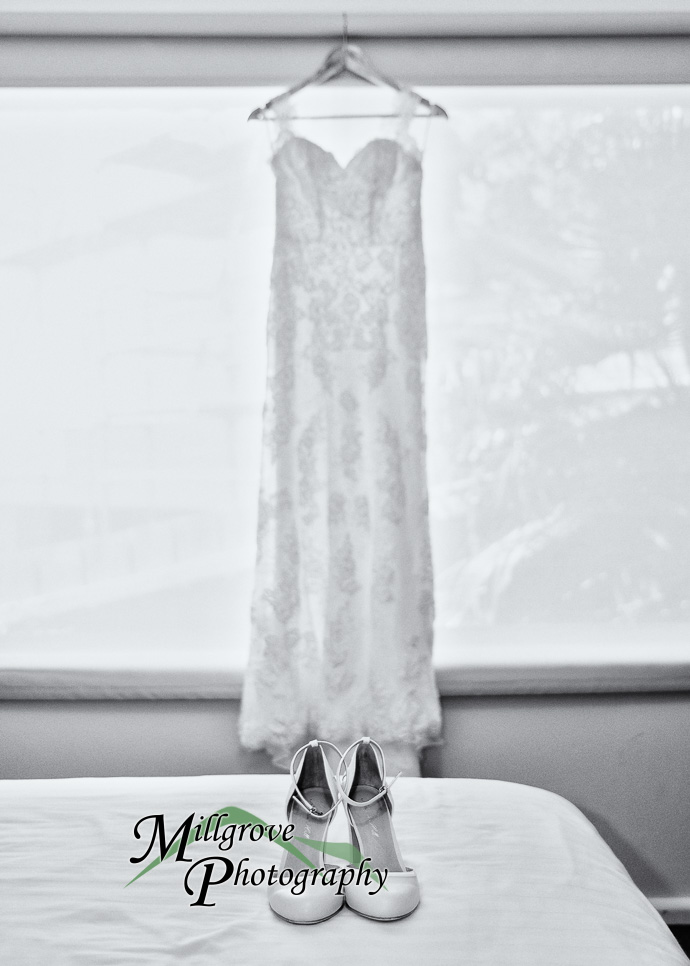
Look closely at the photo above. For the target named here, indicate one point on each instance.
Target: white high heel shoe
(369, 809)
(313, 797)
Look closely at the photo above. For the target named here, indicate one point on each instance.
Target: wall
(621, 758)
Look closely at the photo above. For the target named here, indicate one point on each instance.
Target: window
(135, 258)
(559, 384)
(134, 270)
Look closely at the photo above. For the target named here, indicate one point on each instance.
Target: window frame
(181, 44)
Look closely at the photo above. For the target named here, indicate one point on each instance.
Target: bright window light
(135, 254)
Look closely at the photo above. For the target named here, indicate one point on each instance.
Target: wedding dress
(342, 610)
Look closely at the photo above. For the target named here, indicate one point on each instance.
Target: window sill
(535, 659)
(563, 659)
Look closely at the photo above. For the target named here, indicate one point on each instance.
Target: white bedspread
(509, 875)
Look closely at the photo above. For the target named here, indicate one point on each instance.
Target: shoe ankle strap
(380, 761)
(295, 790)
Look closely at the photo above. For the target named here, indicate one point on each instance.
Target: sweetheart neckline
(344, 169)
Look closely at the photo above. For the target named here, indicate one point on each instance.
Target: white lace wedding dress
(342, 611)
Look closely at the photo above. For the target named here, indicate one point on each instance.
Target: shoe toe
(315, 904)
(398, 898)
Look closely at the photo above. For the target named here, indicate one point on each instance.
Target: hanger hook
(345, 34)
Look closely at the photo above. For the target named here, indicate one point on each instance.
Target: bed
(510, 874)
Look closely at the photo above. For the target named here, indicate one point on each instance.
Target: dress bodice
(348, 262)
(373, 200)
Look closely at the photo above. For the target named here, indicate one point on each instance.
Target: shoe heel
(369, 808)
(312, 800)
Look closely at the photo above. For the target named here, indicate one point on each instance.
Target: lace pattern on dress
(342, 607)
